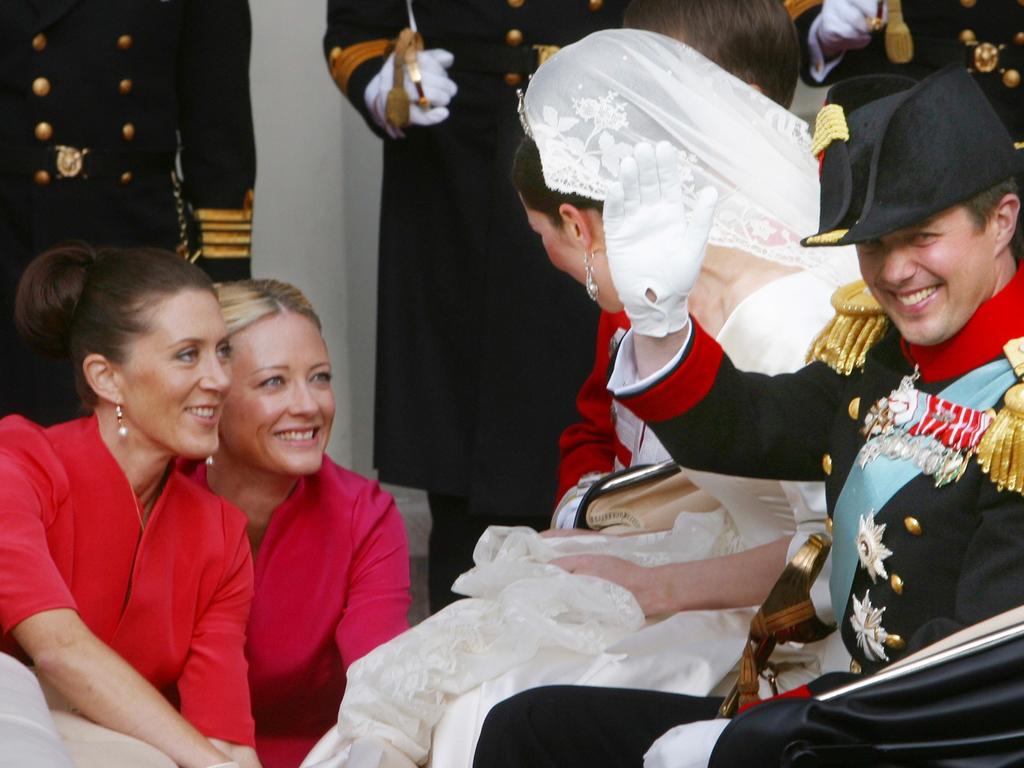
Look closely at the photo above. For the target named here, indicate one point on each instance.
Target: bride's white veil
(589, 104)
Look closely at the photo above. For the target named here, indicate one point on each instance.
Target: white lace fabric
(399, 691)
(588, 105)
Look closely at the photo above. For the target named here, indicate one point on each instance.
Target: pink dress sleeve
(213, 685)
(33, 485)
(378, 592)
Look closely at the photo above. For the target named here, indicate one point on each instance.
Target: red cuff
(684, 387)
(803, 692)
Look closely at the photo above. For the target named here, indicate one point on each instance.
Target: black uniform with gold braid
(466, 293)
(924, 480)
(985, 37)
(95, 98)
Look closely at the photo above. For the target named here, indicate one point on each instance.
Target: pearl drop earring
(122, 428)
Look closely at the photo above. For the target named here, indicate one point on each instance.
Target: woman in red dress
(123, 583)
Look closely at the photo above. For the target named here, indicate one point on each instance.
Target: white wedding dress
(422, 697)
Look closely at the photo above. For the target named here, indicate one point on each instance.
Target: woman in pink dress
(331, 557)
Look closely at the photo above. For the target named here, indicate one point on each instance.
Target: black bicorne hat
(896, 152)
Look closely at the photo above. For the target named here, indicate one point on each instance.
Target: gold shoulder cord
(1001, 450)
(857, 326)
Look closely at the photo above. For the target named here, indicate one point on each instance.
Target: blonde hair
(243, 302)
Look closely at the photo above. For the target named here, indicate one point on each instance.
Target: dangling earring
(122, 428)
(209, 461)
(588, 268)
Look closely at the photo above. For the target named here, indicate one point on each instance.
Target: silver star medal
(870, 549)
(867, 623)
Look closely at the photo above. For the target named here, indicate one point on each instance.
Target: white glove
(844, 25)
(654, 254)
(437, 87)
(686, 746)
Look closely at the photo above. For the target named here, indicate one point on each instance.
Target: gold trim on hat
(829, 125)
(827, 238)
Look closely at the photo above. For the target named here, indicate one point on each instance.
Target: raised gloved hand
(655, 250)
(437, 86)
(845, 25)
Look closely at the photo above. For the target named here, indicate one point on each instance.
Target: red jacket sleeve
(213, 685)
(378, 590)
(33, 485)
(590, 445)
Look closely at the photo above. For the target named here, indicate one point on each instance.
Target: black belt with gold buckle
(67, 162)
(977, 56)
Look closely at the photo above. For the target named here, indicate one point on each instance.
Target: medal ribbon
(868, 489)
(955, 426)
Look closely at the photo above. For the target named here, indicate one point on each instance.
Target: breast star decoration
(867, 623)
(870, 549)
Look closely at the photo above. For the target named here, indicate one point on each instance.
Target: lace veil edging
(589, 104)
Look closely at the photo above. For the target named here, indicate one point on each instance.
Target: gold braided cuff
(797, 8)
(226, 233)
(344, 61)
(1018, 145)
(829, 125)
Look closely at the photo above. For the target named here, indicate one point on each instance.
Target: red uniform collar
(998, 320)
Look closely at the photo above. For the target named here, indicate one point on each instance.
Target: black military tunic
(97, 97)
(955, 549)
(955, 560)
(482, 344)
(987, 36)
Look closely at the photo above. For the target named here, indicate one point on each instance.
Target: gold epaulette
(226, 233)
(1001, 450)
(858, 324)
(343, 61)
(797, 8)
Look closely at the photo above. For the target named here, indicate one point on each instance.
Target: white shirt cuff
(819, 68)
(625, 380)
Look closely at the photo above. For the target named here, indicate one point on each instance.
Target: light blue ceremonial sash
(868, 489)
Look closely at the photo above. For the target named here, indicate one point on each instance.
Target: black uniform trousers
(961, 713)
(561, 726)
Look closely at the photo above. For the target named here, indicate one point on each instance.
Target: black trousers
(453, 536)
(564, 726)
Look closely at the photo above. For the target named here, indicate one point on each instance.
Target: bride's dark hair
(528, 179)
